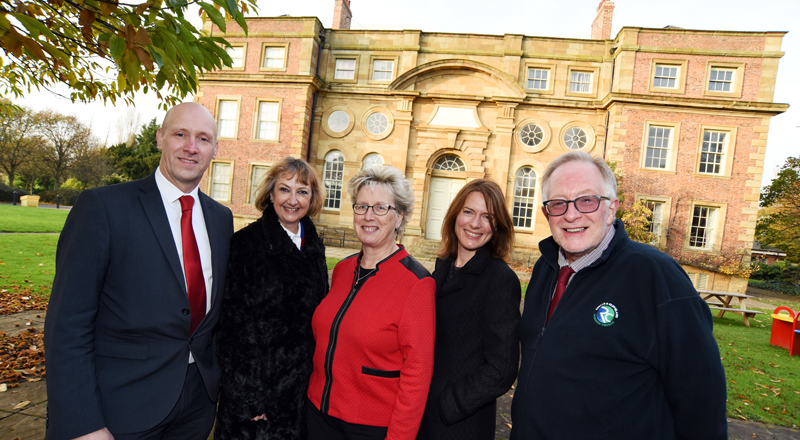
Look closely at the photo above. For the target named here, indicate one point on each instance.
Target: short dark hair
(290, 167)
(502, 242)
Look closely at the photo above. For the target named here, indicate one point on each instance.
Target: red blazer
(381, 360)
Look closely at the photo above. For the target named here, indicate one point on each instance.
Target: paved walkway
(27, 422)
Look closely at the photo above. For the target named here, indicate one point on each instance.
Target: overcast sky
(546, 18)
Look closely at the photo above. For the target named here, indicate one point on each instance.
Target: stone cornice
(770, 108)
(698, 52)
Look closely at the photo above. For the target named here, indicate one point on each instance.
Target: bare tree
(127, 126)
(18, 140)
(64, 137)
(91, 165)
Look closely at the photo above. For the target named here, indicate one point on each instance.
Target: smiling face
(473, 226)
(291, 199)
(578, 233)
(377, 231)
(187, 140)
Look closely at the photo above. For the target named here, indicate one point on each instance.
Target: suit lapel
(154, 209)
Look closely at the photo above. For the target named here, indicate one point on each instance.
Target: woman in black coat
(276, 277)
(477, 317)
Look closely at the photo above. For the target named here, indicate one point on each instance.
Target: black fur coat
(264, 337)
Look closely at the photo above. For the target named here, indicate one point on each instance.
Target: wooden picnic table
(722, 301)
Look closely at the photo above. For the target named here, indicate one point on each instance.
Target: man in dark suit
(140, 269)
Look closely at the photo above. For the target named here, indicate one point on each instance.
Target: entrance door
(442, 193)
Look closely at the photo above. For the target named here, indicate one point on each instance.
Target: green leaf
(117, 46)
(233, 8)
(186, 55)
(34, 26)
(131, 68)
(54, 52)
(213, 15)
(104, 37)
(240, 19)
(156, 56)
(160, 78)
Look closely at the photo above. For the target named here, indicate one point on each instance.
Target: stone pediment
(459, 79)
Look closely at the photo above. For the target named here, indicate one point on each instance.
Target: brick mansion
(683, 113)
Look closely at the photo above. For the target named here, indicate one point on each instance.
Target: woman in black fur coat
(276, 278)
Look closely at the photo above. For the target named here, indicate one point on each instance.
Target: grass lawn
(763, 381)
(25, 219)
(332, 262)
(27, 262)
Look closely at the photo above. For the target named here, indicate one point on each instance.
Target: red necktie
(563, 277)
(195, 283)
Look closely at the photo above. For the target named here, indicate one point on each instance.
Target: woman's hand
(261, 417)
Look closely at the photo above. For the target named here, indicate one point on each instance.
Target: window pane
(221, 181)
(712, 152)
(575, 138)
(531, 135)
(721, 80)
(345, 69)
(227, 119)
(377, 123)
(702, 221)
(580, 82)
(449, 163)
(256, 176)
(267, 120)
(537, 78)
(237, 55)
(372, 160)
(382, 70)
(338, 121)
(524, 198)
(332, 177)
(273, 57)
(666, 76)
(658, 139)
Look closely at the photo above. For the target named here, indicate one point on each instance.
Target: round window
(338, 121)
(531, 135)
(377, 123)
(575, 138)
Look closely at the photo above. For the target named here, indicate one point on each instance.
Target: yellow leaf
(22, 404)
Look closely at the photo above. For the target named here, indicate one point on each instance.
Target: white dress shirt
(297, 239)
(170, 195)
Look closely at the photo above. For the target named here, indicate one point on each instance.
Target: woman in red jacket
(375, 329)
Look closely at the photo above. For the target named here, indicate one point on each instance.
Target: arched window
(372, 160)
(524, 197)
(449, 163)
(333, 175)
(531, 135)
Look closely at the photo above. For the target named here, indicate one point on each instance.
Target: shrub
(68, 196)
(781, 271)
(777, 286)
(7, 193)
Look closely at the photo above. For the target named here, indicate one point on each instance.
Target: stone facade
(447, 108)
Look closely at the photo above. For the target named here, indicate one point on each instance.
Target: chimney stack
(341, 14)
(601, 27)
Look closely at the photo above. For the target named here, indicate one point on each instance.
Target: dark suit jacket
(117, 329)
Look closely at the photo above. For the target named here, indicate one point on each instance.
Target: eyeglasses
(585, 205)
(379, 209)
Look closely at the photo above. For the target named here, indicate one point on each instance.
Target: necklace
(360, 277)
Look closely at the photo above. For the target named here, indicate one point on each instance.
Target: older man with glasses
(616, 343)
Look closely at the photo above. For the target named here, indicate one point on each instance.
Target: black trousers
(324, 427)
(191, 419)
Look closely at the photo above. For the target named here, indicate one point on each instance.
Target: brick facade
(417, 98)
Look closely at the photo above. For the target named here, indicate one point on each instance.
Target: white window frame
(257, 134)
(593, 78)
(265, 49)
(671, 150)
(254, 179)
(339, 68)
(379, 68)
(217, 183)
(727, 155)
(225, 124)
(333, 180)
(372, 160)
(526, 201)
(242, 59)
(737, 72)
(714, 226)
(538, 76)
(660, 234)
